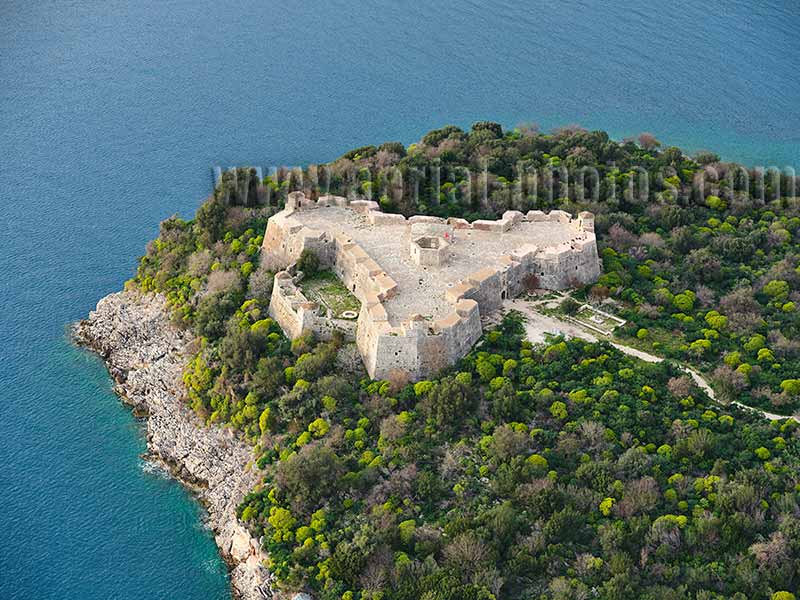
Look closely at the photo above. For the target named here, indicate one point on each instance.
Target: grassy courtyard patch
(328, 290)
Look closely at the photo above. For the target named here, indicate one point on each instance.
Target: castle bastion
(423, 282)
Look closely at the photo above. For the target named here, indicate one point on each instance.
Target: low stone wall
(419, 347)
(290, 308)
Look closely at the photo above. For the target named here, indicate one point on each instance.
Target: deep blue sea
(112, 115)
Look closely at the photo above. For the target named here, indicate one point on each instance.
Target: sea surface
(113, 114)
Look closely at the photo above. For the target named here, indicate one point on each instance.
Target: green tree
(310, 475)
(308, 262)
(777, 290)
(448, 403)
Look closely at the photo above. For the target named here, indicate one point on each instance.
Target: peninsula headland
(330, 361)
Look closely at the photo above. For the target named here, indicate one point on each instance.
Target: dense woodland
(564, 471)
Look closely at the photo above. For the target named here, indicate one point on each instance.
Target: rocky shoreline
(145, 354)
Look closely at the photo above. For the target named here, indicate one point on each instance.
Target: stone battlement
(423, 282)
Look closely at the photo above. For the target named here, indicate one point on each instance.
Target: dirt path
(538, 324)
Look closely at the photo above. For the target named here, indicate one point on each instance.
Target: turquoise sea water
(112, 115)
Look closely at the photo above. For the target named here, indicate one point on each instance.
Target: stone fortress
(423, 282)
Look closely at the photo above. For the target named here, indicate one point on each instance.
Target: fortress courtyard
(422, 287)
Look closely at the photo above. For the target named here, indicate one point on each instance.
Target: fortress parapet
(423, 282)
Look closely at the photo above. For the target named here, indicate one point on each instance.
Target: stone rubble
(145, 355)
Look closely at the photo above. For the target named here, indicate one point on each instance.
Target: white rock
(240, 545)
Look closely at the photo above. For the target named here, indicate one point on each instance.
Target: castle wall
(568, 266)
(325, 328)
(487, 289)
(286, 237)
(418, 348)
(564, 266)
(454, 336)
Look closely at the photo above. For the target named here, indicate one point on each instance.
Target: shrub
(559, 410)
(422, 387)
(716, 203)
(777, 289)
(406, 530)
(569, 306)
(538, 462)
(319, 427)
(266, 421)
(605, 506)
(308, 263)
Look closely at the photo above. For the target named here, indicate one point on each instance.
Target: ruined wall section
(290, 308)
(298, 315)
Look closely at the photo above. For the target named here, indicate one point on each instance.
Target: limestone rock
(240, 545)
(145, 355)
